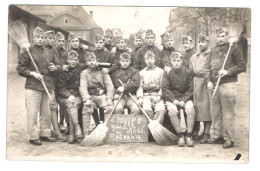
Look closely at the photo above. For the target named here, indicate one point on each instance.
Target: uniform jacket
(109, 47)
(93, 79)
(108, 57)
(166, 53)
(139, 62)
(177, 85)
(80, 52)
(235, 64)
(42, 57)
(186, 57)
(124, 75)
(58, 52)
(68, 82)
(150, 80)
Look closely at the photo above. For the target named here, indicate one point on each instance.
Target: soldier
(223, 103)
(103, 55)
(69, 96)
(167, 51)
(189, 50)
(120, 47)
(200, 93)
(139, 62)
(36, 99)
(149, 93)
(131, 79)
(177, 93)
(96, 89)
(59, 49)
(138, 42)
(109, 36)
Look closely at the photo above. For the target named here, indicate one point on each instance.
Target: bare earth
(19, 148)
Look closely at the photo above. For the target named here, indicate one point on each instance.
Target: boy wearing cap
(36, 99)
(103, 55)
(167, 51)
(177, 92)
(96, 89)
(138, 42)
(149, 93)
(189, 50)
(223, 103)
(200, 93)
(69, 95)
(120, 47)
(131, 79)
(108, 39)
(139, 62)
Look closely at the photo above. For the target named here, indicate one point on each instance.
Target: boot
(190, 142)
(181, 142)
(73, 113)
(55, 125)
(205, 138)
(86, 122)
(101, 114)
(72, 139)
(95, 117)
(190, 122)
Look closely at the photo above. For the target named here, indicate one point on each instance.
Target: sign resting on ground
(127, 128)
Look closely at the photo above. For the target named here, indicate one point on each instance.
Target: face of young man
(176, 63)
(72, 61)
(38, 40)
(149, 61)
(99, 44)
(138, 43)
(92, 62)
(150, 40)
(169, 43)
(74, 43)
(222, 38)
(121, 44)
(203, 45)
(187, 45)
(125, 63)
(108, 40)
(60, 43)
(50, 41)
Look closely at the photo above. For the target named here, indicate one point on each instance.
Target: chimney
(91, 14)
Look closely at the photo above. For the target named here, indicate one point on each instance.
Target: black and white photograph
(103, 83)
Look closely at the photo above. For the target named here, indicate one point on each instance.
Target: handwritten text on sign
(127, 128)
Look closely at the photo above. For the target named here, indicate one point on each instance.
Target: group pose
(162, 80)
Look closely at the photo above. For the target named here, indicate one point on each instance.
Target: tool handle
(35, 66)
(223, 66)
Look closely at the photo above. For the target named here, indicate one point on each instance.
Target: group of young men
(160, 78)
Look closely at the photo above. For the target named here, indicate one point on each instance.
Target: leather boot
(181, 142)
(71, 130)
(189, 142)
(55, 125)
(95, 117)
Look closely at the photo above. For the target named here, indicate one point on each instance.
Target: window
(65, 20)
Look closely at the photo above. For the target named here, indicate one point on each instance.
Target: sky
(131, 19)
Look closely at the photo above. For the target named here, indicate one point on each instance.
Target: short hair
(175, 55)
(149, 54)
(72, 54)
(125, 56)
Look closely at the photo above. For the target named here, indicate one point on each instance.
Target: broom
(235, 31)
(18, 32)
(161, 135)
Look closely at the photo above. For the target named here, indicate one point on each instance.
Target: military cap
(38, 32)
(59, 35)
(90, 55)
(138, 35)
(50, 34)
(72, 36)
(72, 53)
(98, 37)
(109, 32)
(149, 32)
(149, 54)
(119, 38)
(203, 38)
(125, 56)
(168, 36)
(186, 38)
(175, 55)
(221, 30)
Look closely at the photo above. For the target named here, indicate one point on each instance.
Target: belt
(96, 91)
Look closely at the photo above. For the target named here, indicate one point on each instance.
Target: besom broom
(160, 134)
(18, 32)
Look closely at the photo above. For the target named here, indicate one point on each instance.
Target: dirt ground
(19, 148)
